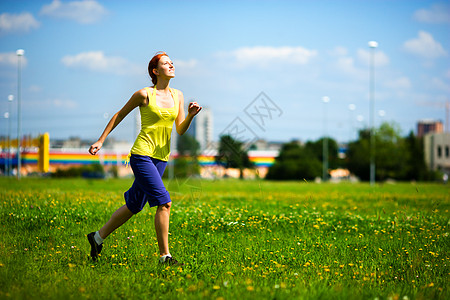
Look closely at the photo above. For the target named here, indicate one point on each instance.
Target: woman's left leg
(95, 239)
(119, 217)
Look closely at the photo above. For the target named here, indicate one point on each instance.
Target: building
(202, 128)
(437, 151)
(429, 126)
(265, 145)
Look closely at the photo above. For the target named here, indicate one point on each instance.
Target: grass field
(239, 240)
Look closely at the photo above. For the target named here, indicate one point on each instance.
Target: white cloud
(347, 65)
(439, 84)
(357, 67)
(54, 103)
(98, 62)
(264, 56)
(425, 46)
(399, 83)
(192, 63)
(189, 67)
(380, 58)
(338, 51)
(437, 14)
(63, 103)
(11, 23)
(10, 59)
(35, 88)
(84, 11)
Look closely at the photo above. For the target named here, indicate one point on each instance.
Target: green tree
(231, 154)
(186, 164)
(187, 145)
(390, 154)
(416, 168)
(295, 163)
(395, 157)
(316, 148)
(358, 159)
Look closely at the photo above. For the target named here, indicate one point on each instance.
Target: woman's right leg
(119, 217)
(162, 218)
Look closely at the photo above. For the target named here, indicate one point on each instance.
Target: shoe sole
(171, 263)
(94, 252)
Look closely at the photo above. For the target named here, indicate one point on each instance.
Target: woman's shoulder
(177, 91)
(140, 97)
(143, 92)
(174, 89)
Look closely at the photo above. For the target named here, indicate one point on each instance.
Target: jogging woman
(160, 106)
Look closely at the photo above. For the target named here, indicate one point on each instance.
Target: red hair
(153, 64)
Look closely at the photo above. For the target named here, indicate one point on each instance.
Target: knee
(166, 206)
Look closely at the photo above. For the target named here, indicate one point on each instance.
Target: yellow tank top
(156, 127)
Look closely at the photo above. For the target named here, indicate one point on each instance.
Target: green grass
(239, 240)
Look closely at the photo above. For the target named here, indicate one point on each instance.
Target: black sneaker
(171, 262)
(95, 248)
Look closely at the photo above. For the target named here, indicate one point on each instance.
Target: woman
(159, 106)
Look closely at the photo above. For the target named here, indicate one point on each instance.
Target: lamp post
(360, 119)
(373, 45)
(19, 54)
(6, 116)
(325, 141)
(351, 108)
(8, 157)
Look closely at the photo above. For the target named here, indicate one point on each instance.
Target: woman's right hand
(95, 147)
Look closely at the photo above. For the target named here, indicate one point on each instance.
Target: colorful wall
(58, 157)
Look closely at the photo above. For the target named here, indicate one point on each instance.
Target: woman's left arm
(181, 122)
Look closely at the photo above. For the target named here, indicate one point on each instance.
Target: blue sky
(84, 59)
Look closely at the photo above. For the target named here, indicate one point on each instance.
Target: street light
(351, 108)
(360, 119)
(10, 100)
(325, 141)
(373, 45)
(19, 54)
(8, 153)
(6, 116)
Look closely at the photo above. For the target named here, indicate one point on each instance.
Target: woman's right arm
(136, 100)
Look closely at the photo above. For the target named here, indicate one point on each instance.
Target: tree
(186, 163)
(295, 163)
(187, 145)
(416, 168)
(231, 154)
(358, 159)
(317, 149)
(390, 158)
(395, 157)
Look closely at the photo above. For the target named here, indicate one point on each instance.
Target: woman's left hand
(194, 108)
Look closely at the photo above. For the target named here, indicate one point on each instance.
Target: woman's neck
(162, 84)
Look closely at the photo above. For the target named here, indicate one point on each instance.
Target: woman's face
(165, 67)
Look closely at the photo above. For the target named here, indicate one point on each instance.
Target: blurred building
(429, 126)
(262, 144)
(202, 128)
(437, 151)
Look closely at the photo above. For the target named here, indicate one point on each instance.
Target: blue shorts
(147, 185)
